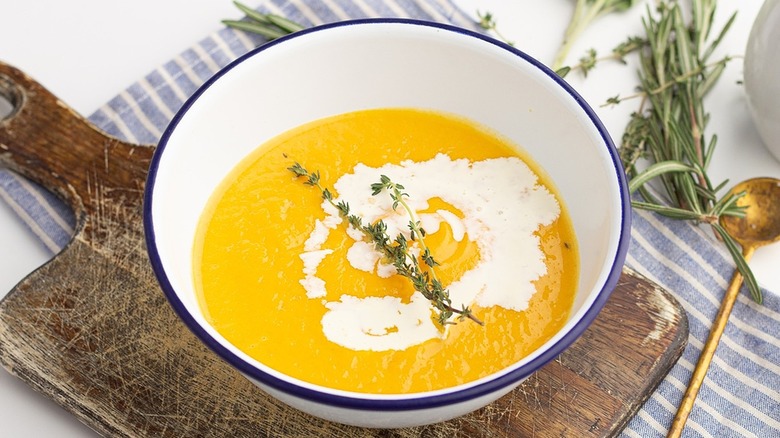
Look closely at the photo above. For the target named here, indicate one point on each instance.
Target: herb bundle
(675, 74)
(397, 250)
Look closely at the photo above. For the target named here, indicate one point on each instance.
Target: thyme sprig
(589, 61)
(585, 12)
(270, 26)
(669, 128)
(397, 251)
(488, 22)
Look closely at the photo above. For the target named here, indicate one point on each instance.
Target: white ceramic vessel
(355, 65)
(762, 74)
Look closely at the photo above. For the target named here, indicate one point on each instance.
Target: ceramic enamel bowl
(356, 65)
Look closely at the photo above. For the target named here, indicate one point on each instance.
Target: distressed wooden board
(92, 330)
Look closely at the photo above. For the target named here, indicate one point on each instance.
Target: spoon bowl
(761, 224)
(759, 227)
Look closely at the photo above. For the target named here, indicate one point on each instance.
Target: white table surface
(86, 51)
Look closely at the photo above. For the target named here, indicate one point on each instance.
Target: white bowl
(354, 65)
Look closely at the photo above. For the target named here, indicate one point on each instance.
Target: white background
(86, 51)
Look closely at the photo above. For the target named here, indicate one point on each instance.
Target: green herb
(396, 250)
(669, 128)
(268, 25)
(488, 22)
(589, 61)
(585, 11)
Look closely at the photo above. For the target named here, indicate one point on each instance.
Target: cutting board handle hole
(10, 98)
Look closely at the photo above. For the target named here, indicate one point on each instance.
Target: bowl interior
(373, 65)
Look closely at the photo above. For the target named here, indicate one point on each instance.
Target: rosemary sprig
(585, 11)
(669, 128)
(268, 25)
(396, 250)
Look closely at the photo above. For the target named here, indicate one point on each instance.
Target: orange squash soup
(284, 278)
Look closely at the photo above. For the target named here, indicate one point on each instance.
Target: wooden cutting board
(92, 330)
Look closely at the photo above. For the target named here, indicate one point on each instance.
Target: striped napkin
(741, 395)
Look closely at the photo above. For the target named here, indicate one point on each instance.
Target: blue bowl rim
(414, 401)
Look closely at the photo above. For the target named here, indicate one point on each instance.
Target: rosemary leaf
(672, 212)
(717, 40)
(269, 26)
(742, 266)
(727, 206)
(251, 13)
(269, 32)
(657, 170)
(288, 25)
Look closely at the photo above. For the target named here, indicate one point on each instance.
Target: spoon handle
(716, 331)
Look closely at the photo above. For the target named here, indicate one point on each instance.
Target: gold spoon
(761, 226)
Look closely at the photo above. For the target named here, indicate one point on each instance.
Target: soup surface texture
(281, 276)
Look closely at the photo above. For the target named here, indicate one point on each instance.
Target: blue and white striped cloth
(741, 395)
